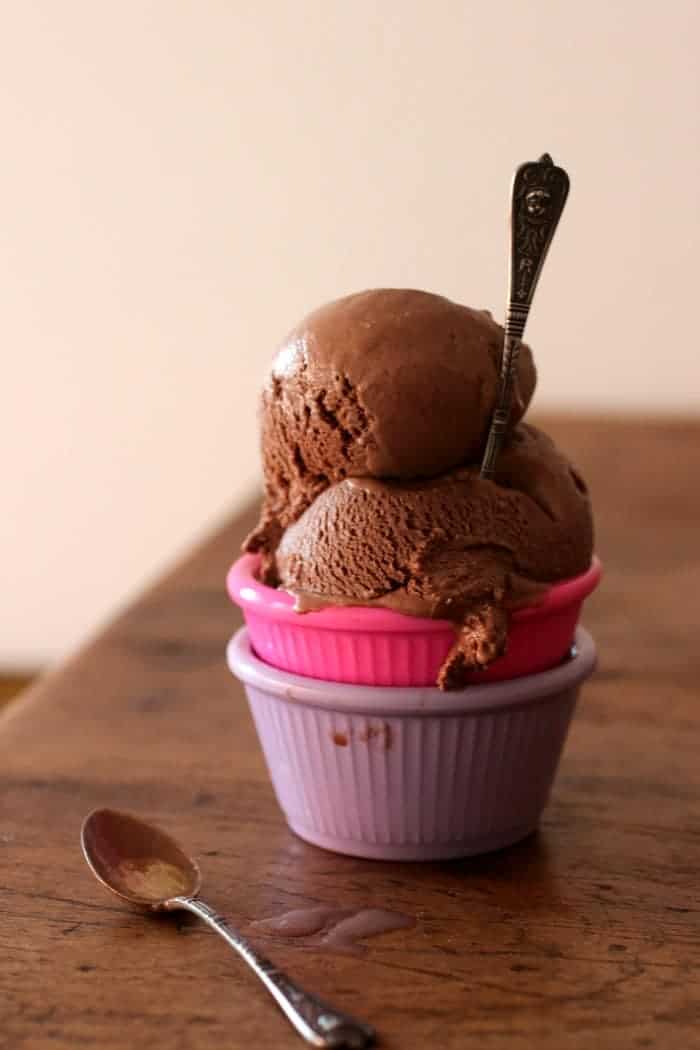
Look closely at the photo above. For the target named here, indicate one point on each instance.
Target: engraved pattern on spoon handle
(320, 1024)
(538, 197)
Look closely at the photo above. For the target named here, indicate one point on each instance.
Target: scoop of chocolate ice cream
(455, 547)
(388, 383)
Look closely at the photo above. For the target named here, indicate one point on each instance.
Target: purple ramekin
(412, 773)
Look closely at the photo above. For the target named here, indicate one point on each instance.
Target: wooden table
(586, 935)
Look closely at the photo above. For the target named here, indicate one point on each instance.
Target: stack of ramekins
(368, 757)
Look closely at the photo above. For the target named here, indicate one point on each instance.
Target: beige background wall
(182, 180)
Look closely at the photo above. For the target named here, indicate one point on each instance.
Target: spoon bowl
(137, 861)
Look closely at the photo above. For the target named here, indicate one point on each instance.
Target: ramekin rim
(410, 700)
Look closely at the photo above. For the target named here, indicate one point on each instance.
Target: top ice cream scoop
(388, 383)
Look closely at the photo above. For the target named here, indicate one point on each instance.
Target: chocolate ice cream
(454, 547)
(390, 383)
(374, 419)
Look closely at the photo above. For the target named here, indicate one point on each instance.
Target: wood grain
(588, 934)
(11, 685)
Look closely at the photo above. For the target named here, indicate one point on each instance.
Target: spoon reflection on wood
(144, 866)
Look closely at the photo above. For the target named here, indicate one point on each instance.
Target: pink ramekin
(374, 646)
(411, 773)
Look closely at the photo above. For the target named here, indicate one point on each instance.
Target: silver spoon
(538, 197)
(144, 866)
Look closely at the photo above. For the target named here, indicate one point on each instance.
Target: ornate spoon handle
(538, 197)
(320, 1024)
